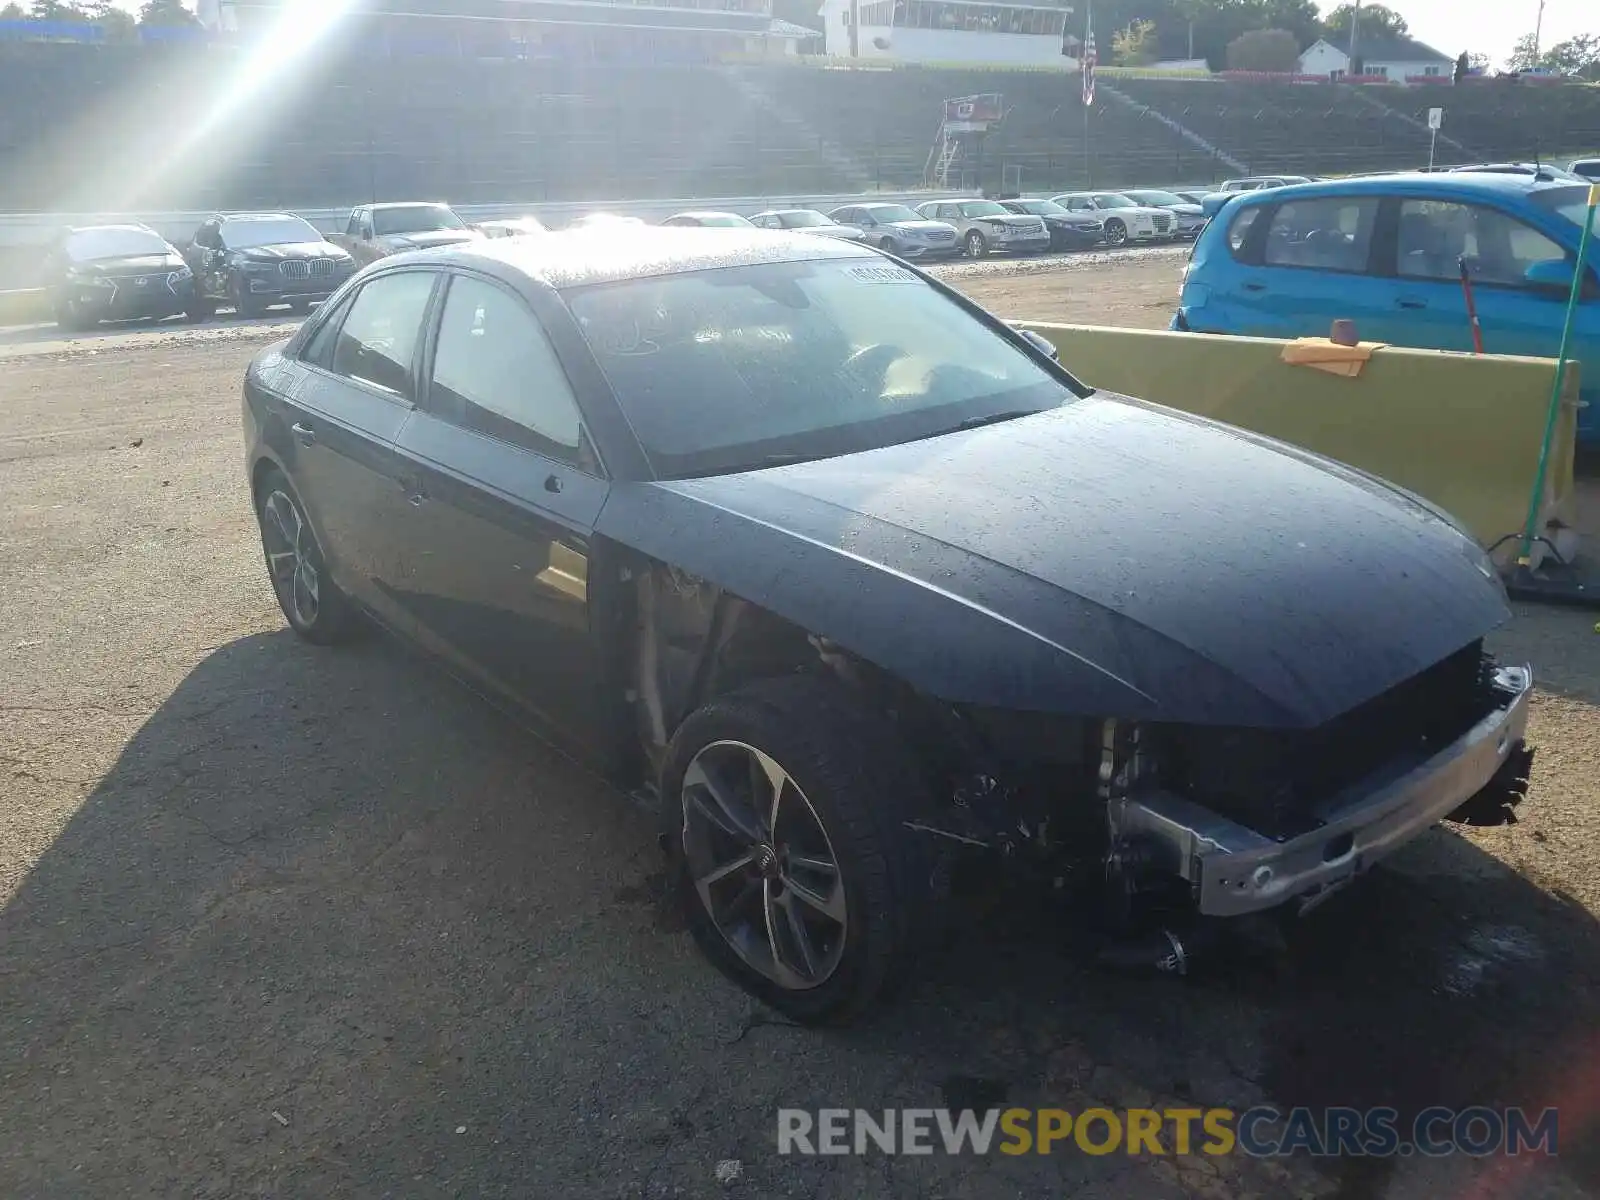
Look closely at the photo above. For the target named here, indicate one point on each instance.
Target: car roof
(574, 258)
(782, 212)
(1509, 186)
(259, 216)
(704, 212)
(131, 226)
(406, 204)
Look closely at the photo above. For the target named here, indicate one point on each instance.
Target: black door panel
(340, 451)
(493, 572)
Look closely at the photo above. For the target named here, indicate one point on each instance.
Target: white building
(953, 31)
(1395, 58)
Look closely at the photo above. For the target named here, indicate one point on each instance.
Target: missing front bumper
(1233, 870)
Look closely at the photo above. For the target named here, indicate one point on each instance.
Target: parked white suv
(986, 225)
(1125, 220)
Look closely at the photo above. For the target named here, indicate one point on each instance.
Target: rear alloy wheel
(787, 802)
(300, 307)
(1116, 233)
(313, 606)
(977, 244)
(886, 244)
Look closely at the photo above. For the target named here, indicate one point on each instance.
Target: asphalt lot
(287, 922)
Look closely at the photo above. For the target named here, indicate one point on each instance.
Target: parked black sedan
(252, 261)
(117, 273)
(854, 580)
(1068, 230)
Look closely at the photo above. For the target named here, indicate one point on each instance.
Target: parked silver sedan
(986, 225)
(807, 220)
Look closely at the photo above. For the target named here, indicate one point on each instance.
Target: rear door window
(1328, 233)
(1437, 237)
(378, 339)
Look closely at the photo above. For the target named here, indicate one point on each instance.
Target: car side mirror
(1553, 274)
(1040, 343)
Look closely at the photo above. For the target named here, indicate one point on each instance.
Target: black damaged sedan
(857, 584)
(117, 273)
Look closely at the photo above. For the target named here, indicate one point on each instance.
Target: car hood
(1109, 558)
(424, 240)
(849, 232)
(291, 250)
(922, 225)
(130, 264)
(1186, 210)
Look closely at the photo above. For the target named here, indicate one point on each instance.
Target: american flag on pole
(1088, 63)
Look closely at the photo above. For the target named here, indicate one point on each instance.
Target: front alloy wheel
(762, 865)
(977, 244)
(1116, 233)
(786, 805)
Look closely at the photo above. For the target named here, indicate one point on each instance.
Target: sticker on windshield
(881, 275)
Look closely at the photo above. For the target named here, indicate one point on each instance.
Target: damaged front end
(1199, 823)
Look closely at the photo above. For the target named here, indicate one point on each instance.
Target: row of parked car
(250, 262)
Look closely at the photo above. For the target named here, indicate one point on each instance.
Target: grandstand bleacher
(136, 127)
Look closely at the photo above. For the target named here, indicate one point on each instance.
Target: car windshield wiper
(988, 419)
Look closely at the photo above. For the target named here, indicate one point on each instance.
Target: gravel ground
(287, 922)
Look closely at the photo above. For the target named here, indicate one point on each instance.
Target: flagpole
(1088, 65)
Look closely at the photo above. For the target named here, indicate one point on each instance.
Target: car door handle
(1411, 304)
(1255, 287)
(304, 434)
(552, 484)
(416, 493)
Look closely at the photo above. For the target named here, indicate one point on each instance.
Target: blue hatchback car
(1386, 252)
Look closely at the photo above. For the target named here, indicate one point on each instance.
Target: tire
(886, 244)
(300, 307)
(315, 609)
(850, 778)
(71, 318)
(244, 305)
(1116, 233)
(977, 244)
(200, 310)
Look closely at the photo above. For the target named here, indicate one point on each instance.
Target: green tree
(1579, 55)
(119, 25)
(1576, 56)
(1264, 50)
(166, 12)
(1377, 20)
(1135, 45)
(56, 10)
(13, 12)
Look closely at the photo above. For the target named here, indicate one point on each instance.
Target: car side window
(1330, 233)
(1241, 225)
(377, 339)
(1436, 237)
(318, 348)
(495, 372)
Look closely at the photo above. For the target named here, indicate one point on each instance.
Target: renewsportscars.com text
(1262, 1132)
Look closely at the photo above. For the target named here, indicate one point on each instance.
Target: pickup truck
(375, 231)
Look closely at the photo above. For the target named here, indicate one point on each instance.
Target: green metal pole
(1530, 530)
